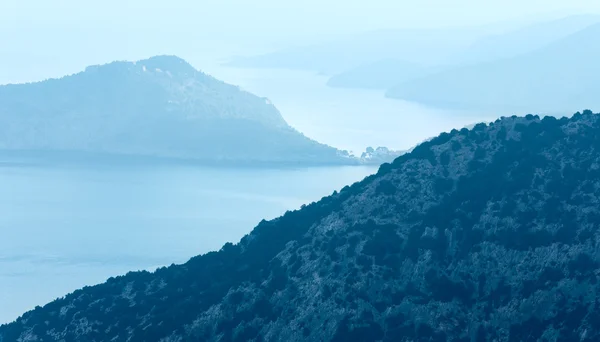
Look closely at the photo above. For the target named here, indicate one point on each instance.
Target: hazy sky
(43, 38)
(272, 16)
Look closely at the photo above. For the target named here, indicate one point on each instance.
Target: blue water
(66, 226)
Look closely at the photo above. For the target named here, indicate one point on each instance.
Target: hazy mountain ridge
(418, 46)
(522, 41)
(378, 75)
(482, 234)
(387, 73)
(159, 107)
(558, 77)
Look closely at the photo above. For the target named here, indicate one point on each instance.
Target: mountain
(417, 46)
(382, 74)
(387, 73)
(522, 40)
(160, 107)
(559, 77)
(488, 234)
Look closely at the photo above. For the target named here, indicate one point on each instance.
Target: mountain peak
(168, 63)
(163, 64)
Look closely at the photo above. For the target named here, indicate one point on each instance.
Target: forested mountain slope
(488, 234)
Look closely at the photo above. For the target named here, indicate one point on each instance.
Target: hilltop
(159, 107)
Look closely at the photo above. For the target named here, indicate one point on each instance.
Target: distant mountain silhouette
(417, 46)
(386, 73)
(559, 77)
(521, 41)
(383, 74)
(161, 107)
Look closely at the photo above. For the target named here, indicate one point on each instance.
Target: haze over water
(349, 119)
(68, 226)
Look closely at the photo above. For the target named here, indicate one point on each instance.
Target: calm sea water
(64, 227)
